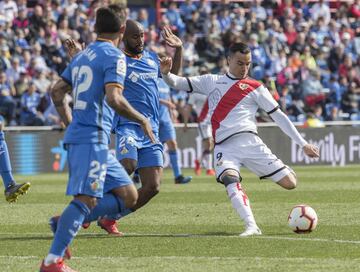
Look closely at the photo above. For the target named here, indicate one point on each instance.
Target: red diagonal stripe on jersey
(204, 111)
(229, 100)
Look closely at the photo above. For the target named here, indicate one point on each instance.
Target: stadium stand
(306, 52)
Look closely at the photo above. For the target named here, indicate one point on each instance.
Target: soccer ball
(302, 219)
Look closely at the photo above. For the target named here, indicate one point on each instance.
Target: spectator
(257, 9)
(21, 21)
(9, 9)
(336, 56)
(186, 9)
(4, 58)
(21, 84)
(174, 18)
(7, 102)
(143, 18)
(313, 89)
(321, 9)
(30, 100)
(37, 21)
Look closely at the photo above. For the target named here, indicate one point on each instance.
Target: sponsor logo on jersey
(134, 77)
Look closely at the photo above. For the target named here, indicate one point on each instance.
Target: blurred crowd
(307, 53)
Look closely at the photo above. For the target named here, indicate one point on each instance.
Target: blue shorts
(131, 143)
(92, 170)
(116, 175)
(166, 131)
(87, 169)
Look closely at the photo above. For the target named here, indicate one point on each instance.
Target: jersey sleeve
(66, 75)
(201, 84)
(265, 100)
(115, 68)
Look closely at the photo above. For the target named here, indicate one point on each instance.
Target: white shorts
(247, 149)
(204, 130)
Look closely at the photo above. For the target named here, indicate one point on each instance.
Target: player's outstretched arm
(173, 41)
(289, 129)
(58, 93)
(176, 82)
(118, 102)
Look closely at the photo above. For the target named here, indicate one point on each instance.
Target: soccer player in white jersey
(234, 99)
(198, 102)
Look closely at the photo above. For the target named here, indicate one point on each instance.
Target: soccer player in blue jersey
(96, 78)
(12, 189)
(167, 132)
(133, 150)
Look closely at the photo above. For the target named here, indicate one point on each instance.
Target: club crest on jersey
(243, 86)
(151, 62)
(95, 185)
(124, 150)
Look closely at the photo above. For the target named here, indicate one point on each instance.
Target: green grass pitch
(194, 228)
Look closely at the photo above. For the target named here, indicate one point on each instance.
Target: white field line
(189, 258)
(188, 235)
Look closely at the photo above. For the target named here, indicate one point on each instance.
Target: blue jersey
(141, 88)
(164, 93)
(99, 64)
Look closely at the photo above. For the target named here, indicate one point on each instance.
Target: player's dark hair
(110, 19)
(243, 48)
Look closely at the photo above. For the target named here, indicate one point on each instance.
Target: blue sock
(109, 204)
(69, 224)
(5, 166)
(174, 163)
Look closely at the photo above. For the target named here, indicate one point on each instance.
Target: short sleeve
(66, 75)
(265, 100)
(201, 84)
(115, 68)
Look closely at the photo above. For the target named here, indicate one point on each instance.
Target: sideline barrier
(39, 149)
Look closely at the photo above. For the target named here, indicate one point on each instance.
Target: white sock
(241, 203)
(51, 258)
(207, 161)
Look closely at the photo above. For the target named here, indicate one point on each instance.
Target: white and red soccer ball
(302, 219)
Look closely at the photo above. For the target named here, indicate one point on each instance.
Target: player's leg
(167, 134)
(12, 189)
(86, 183)
(289, 181)
(150, 180)
(207, 156)
(120, 195)
(126, 151)
(259, 159)
(267, 166)
(174, 160)
(226, 166)
(150, 169)
(207, 147)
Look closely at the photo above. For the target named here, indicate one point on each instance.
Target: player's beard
(136, 50)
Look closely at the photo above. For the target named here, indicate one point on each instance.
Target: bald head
(134, 37)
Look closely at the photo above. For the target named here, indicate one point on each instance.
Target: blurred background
(307, 53)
